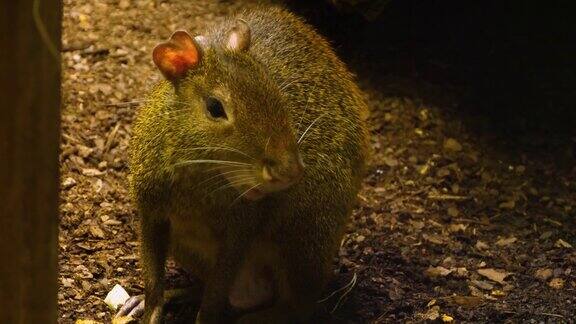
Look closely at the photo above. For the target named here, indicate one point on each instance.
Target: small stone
(390, 161)
(112, 222)
(67, 282)
(452, 145)
(453, 211)
(507, 204)
(92, 172)
(84, 151)
(102, 165)
(558, 272)
(124, 4)
(68, 183)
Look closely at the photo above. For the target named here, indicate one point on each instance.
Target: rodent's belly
(256, 283)
(253, 287)
(195, 248)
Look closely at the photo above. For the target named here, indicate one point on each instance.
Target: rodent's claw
(133, 307)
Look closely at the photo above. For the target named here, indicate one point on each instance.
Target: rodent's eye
(215, 108)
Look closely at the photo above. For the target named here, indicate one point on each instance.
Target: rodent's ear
(176, 56)
(238, 36)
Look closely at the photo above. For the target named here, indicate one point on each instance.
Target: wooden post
(29, 138)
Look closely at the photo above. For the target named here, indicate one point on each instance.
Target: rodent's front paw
(134, 308)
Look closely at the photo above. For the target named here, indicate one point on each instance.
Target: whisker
(310, 126)
(242, 194)
(266, 146)
(231, 184)
(239, 176)
(173, 112)
(221, 167)
(227, 183)
(138, 102)
(285, 85)
(240, 171)
(223, 162)
(223, 148)
(302, 117)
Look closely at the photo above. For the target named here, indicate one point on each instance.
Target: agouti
(245, 166)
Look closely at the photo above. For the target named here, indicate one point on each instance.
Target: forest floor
(451, 224)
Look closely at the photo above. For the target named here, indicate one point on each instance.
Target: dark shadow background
(512, 64)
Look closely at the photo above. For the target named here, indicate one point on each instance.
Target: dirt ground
(452, 224)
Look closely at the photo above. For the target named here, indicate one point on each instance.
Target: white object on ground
(116, 297)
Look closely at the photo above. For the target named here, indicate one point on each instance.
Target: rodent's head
(228, 115)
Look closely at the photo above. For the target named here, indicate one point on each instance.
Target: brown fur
(288, 77)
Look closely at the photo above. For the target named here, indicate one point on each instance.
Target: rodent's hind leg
(304, 270)
(175, 300)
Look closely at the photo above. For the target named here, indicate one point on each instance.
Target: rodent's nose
(283, 174)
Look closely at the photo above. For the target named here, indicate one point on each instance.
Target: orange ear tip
(180, 33)
(176, 56)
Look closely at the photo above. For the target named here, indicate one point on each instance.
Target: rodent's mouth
(254, 194)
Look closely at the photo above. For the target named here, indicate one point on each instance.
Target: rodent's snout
(279, 175)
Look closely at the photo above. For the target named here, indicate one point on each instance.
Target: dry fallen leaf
(556, 283)
(562, 244)
(494, 274)
(481, 245)
(447, 318)
(464, 301)
(432, 314)
(498, 293)
(453, 211)
(96, 231)
(485, 285)
(507, 204)
(68, 183)
(434, 239)
(454, 228)
(460, 272)
(439, 271)
(123, 320)
(506, 241)
(543, 274)
(92, 172)
(417, 224)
